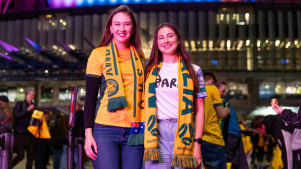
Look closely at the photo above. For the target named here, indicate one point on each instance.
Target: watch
(198, 140)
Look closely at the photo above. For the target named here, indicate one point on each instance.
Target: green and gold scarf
(114, 85)
(183, 145)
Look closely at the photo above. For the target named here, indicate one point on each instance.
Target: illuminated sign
(80, 3)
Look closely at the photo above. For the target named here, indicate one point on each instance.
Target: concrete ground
(22, 164)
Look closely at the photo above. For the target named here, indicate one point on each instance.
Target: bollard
(70, 150)
(80, 142)
(6, 150)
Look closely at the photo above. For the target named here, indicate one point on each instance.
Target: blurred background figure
(22, 114)
(79, 130)
(213, 147)
(246, 139)
(60, 150)
(6, 116)
(231, 133)
(42, 152)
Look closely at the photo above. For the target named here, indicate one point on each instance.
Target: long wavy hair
(5, 108)
(156, 55)
(134, 39)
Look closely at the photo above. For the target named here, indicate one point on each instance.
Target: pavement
(22, 164)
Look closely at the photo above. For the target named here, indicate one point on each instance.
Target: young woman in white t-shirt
(169, 68)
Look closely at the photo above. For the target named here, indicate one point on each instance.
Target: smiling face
(121, 28)
(167, 41)
(30, 96)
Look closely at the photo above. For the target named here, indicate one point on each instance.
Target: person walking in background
(114, 138)
(254, 139)
(271, 145)
(60, 150)
(22, 114)
(6, 116)
(246, 139)
(213, 147)
(231, 133)
(287, 138)
(42, 152)
(174, 97)
(262, 136)
(79, 130)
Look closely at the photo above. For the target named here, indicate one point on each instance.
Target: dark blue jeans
(214, 156)
(113, 149)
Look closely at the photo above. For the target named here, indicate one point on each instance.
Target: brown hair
(134, 39)
(219, 83)
(156, 55)
(257, 121)
(209, 76)
(4, 106)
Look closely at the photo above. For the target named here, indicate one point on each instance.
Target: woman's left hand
(197, 152)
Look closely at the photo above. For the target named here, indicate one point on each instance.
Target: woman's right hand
(90, 144)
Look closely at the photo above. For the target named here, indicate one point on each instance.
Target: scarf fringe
(151, 154)
(184, 160)
(116, 103)
(136, 139)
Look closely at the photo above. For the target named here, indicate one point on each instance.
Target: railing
(8, 141)
(6, 150)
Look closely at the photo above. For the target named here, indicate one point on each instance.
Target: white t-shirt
(167, 98)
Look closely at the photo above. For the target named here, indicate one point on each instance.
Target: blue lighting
(33, 44)
(113, 2)
(214, 62)
(136, 1)
(90, 2)
(125, 1)
(80, 2)
(285, 61)
(101, 2)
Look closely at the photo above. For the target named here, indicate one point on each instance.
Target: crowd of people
(162, 115)
(18, 122)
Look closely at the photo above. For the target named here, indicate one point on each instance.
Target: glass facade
(254, 47)
(284, 90)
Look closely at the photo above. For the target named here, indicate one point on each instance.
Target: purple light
(79, 3)
(64, 46)
(8, 47)
(6, 57)
(33, 44)
(69, 3)
(62, 3)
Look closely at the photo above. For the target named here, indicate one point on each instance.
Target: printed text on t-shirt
(166, 83)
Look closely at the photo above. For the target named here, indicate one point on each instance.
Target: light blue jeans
(167, 134)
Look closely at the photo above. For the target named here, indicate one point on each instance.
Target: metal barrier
(8, 141)
(6, 150)
(72, 143)
(70, 150)
(79, 142)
